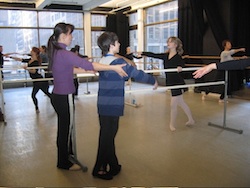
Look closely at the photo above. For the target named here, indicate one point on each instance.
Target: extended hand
(120, 71)
(204, 70)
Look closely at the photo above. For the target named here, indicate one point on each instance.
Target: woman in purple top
(62, 63)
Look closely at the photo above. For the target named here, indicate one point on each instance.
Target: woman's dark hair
(37, 51)
(224, 42)
(44, 48)
(105, 40)
(73, 50)
(53, 45)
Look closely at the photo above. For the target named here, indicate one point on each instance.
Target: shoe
(37, 111)
(115, 171)
(104, 175)
(75, 167)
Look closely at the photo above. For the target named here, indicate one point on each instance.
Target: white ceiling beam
(93, 4)
(40, 4)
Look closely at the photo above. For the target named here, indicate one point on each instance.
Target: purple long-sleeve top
(62, 70)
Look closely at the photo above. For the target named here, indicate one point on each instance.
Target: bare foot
(190, 123)
(172, 128)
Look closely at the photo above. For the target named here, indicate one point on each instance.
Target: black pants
(106, 154)
(44, 86)
(64, 107)
(76, 86)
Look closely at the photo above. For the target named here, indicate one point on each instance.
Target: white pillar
(87, 34)
(140, 27)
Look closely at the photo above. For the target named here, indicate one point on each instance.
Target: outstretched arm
(239, 50)
(126, 59)
(16, 58)
(116, 68)
(226, 65)
(77, 70)
(204, 70)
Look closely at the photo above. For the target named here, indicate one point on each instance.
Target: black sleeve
(234, 64)
(136, 57)
(25, 60)
(158, 56)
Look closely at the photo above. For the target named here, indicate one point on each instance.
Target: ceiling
(85, 5)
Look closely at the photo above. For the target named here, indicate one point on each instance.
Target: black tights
(44, 86)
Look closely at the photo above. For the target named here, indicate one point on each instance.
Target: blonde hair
(178, 42)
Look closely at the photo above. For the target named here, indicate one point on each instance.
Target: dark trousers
(76, 83)
(64, 107)
(106, 154)
(44, 86)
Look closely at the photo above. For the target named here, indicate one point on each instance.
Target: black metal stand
(73, 157)
(225, 110)
(87, 92)
(2, 109)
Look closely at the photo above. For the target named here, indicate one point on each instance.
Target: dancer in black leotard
(35, 61)
(173, 59)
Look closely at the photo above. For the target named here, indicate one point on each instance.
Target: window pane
(18, 18)
(163, 12)
(44, 35)
(133, 19)
(157, 36)
(18, 40)
(78, 40)
(98, 20)
(133, 40)
(50, 19)
(96, 51)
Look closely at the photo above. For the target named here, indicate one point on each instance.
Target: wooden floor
(150, 154)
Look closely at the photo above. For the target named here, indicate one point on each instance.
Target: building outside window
(24, 29)
(133, 33)
(98, 25)
(161, 23)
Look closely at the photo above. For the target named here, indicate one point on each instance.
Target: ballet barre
(159, 88)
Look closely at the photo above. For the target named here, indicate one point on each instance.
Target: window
(161, 23)
(24, 29)
(18, 18)
(50, 19)
(133, 19)
(98, 24)
(133, 40)
(98, 20)
(96, 51)
(133, 33)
